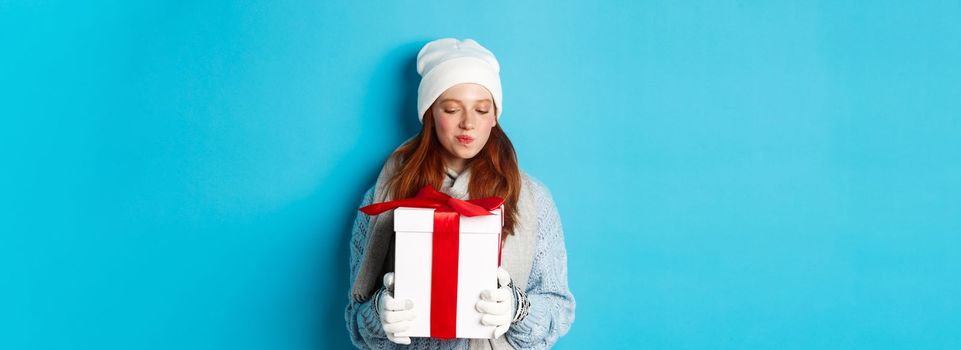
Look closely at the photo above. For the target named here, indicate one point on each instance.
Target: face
(463, 119)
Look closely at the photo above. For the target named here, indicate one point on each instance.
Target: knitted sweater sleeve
(363, 324)
(551, 302)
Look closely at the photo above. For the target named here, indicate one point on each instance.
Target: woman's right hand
(395, 314)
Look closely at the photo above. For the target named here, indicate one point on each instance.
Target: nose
(467, 122)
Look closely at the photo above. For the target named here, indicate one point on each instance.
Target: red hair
(494, 170)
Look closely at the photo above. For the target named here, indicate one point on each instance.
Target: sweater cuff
(370, 315)
(530, 330)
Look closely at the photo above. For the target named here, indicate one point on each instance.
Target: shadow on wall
(390, 104)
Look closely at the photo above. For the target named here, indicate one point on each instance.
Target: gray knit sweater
(551, 302)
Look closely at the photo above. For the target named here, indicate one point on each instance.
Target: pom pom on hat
(443, 63)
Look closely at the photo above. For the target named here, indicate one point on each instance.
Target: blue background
(783, 175)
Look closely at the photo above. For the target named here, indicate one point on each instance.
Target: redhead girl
(462, 151)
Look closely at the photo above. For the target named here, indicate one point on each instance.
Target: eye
(482, 111)
(451, 111)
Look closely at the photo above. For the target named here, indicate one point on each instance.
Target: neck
(456, 164)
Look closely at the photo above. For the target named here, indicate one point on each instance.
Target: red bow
(428, 197)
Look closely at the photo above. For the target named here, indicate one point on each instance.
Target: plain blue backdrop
(730, 174)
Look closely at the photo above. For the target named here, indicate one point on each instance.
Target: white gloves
(395, 314)
(496, 304)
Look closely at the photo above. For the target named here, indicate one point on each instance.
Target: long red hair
(494, 170)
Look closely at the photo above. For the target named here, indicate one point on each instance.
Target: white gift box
(477, 261)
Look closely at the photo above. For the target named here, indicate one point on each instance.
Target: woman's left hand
(496, 304)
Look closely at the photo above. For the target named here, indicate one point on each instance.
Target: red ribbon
(446, 240)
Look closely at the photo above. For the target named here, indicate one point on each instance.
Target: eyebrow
(456, 100)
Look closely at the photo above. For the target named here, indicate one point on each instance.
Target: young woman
(462, 151)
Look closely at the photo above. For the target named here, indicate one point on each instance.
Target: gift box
(447, 253)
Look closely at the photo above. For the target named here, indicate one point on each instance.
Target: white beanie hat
(443, 63)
